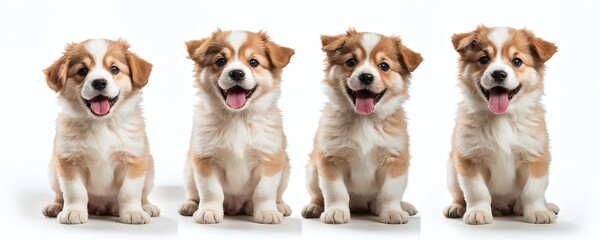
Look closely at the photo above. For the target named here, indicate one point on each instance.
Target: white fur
(98, 48)
(369, 40)
(236, 39)
(265, 193)
(390, 195)
(499, 36)
(335, 194)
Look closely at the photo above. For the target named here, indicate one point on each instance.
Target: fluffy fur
(360, 156)
(500, 155)
(237, 161)
(101, 163)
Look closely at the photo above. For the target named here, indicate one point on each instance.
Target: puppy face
(238, 68)
(94, 77)
(502, 65)
(370, 70)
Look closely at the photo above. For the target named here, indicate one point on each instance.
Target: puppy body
(237, 161)
(101, 162)
(360, 156)
(500, 151)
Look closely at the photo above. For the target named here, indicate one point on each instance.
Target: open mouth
(364, 100)
(499, 97)
(100, 105)
(236, 96)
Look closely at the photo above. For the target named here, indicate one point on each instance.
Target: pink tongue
(364, 102)
(100, 105)
(498, 100)
(236, 97)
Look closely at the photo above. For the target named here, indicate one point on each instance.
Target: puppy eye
(253, 62)
(517, 62)
(114, 70)
(484, 60)
(221, 62)
(384, 67)
(82, 72)
(351, 62)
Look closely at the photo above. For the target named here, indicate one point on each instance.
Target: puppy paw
(72, 216)
(454, 211)
(312, 211)
(188, 208)
(552, 208)
(52, 210)
(284, 209)
(394, 217)
(540, 217)
(409, 208)
(268, 217)
(208, 216)
(336, 216)
(134, 217)
(478, 217)
(154, 211)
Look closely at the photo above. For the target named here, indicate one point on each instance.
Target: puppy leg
(75, 201)
(390, 198)
(52, 209)
(337, 199)
(130, 194)
(207, 180)
(151, 209)
(283, 208)
(535, 208)
(478, 198)
(264, 200)
(315, 207)
(457, 208)
(191, 205)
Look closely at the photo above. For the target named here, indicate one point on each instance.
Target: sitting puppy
(237, 161)
(500, 155)
(360, 156)
(101, 163)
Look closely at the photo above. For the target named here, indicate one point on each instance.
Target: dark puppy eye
(82, 72)
(253, 62)
(114, 70)
(384, 67)
(221, 62)
(351, 62)
(517, 62)
(484, 60)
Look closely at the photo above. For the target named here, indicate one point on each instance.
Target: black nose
(236, 75)
(99, 84)
(366, 78)
(499, 75)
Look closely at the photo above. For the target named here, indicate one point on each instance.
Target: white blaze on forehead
(499, 36)
(97, 48)
(369, 40)
(236, 39)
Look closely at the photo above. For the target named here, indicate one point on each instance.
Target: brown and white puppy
(500, 156)
(237, 161)
(101, 163)
(360, 156)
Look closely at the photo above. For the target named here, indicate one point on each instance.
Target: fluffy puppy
(101, 163)
(237, 161)
(500, 157)
(360, 155)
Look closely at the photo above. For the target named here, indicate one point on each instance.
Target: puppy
(101, 163)
(500, 157)
(237, 161)
(360, 156)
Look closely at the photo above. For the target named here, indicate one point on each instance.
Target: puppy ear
(332, 43)
(409, 58)
(140, 69)
(543, 49)
(195, 48)
(279, 55)
(462, 40)
(56, 74)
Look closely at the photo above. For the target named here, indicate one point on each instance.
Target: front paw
(336, 216)
(208, 216)
(393, 217)
(540, 217)
(478, 217)
(268, 217)
(409, 208)
(312, 211)
(134, 217)
(188, 208)
(154, 211)
(552, 208)
(284, 209)
(454, 211)
(72, 216)
(52, 210)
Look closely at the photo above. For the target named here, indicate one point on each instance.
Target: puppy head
(96, 76)
(368, 71)
(502, 66)
(239, 68)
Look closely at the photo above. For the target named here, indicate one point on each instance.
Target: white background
(33, 34)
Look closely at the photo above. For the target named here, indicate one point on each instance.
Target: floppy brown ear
(56, 74)
(332, 43)
(140, 69)
(462, 40)
(545, 50)
(194, 48)
(280, 56)
(410, 58)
